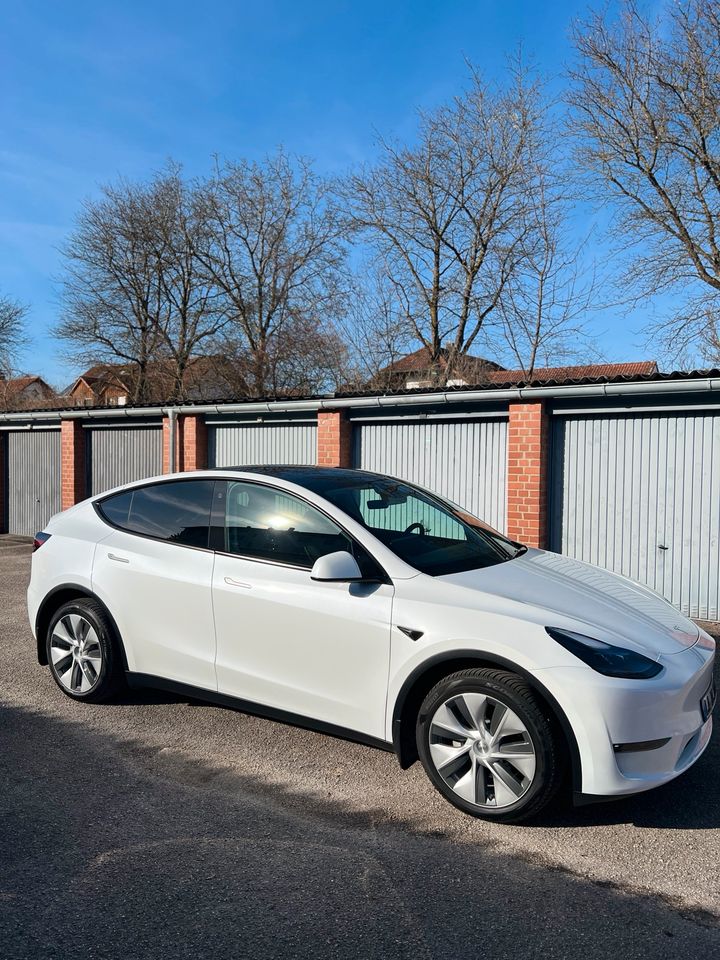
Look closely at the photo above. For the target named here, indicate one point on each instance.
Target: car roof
(302, 474)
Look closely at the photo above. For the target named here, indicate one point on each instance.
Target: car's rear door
(154, 573)
(318, 650)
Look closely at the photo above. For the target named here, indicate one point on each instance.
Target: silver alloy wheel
(482, 750)
(76, 653)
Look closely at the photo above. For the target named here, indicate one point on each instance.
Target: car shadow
(691, 802)
(106, 855)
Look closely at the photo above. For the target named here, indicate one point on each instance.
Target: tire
(83, 652)
(507, 777)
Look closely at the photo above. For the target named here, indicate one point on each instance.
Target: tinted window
(268, 524)
(429, 533)
(178, 511)
(116, 509)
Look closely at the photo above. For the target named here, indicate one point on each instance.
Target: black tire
(109, 678)
(548, 744)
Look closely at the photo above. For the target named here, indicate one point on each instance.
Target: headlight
(604, 657)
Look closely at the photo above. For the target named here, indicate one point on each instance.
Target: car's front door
(318, 650)
(154, 573)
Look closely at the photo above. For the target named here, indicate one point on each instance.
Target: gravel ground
(161, 827)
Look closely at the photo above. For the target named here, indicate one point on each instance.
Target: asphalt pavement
(161, 827)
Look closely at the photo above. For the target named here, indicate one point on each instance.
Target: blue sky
(90, 91)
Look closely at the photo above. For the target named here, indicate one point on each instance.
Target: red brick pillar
(334, 439)
(190, 443)
(192, 434)
(167, 466)
(72, 441)
(527, 476)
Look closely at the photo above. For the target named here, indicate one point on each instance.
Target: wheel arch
(59, 595)
(424, 677)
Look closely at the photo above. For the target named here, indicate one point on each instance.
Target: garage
(120, 454)
(245, 442)
(33, 479)
(640, 494)
(464, 459)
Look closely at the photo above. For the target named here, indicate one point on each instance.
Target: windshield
(431, 534)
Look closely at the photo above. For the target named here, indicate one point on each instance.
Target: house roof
(17, 384)
(572, 374)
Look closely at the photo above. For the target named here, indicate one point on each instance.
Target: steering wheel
(416, 526)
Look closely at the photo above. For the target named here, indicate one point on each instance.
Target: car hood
(597, 598)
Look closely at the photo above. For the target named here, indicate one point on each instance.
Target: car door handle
(237, 583)
(114, 556)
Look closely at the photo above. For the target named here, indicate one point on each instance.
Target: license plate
(707, 703)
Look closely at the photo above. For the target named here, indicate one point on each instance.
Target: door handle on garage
(237, 583)
(114, 556)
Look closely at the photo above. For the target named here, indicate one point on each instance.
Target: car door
(154, 573)
(318, 650)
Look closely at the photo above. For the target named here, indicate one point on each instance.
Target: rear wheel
(82, 651)
(490, 745)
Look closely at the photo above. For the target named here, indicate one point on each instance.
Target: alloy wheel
(76, 653)
(482, 750)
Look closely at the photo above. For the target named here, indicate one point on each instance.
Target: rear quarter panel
(66, 558)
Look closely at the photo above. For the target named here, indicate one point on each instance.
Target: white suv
(366, 607)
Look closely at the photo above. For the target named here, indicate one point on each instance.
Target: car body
(352, 597)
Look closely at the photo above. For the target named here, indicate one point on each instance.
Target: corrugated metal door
(33, 479)
(242, 444)
(465, 461)
(118, 455)
(640, 495)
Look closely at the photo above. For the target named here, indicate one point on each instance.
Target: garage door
(246, 444)
(118, 455)
(464, 461)
(33, 479)
(640, 495)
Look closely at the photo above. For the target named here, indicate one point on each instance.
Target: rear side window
(177, 511)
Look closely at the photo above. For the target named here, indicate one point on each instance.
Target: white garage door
(640, 495)
(464, 461)
(33, 479)
(235, 445)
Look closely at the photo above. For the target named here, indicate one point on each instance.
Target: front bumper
(606, 712)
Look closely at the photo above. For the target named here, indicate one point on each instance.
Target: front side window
(176, 511)
(430, 534)
(264, 523)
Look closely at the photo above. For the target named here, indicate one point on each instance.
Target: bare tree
(375, 327)
(193, 314)
(447, 215)
(543, 315)
(12, 334)
(646, 98)
(133, 290)
(275, 252)
(303, 357)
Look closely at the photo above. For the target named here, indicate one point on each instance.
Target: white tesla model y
(366, 607)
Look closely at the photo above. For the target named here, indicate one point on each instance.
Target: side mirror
(339, 567)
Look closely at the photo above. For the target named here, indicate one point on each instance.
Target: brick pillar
(190, 443)
(167, 467)
(192, 434)
(527, 476)
(334, 439)
(72, 441)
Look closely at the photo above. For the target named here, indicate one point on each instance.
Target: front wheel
(489, 745)
(82, 651)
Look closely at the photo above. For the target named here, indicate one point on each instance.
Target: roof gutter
(631, 389)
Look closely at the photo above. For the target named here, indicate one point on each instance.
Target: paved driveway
(158, 827)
